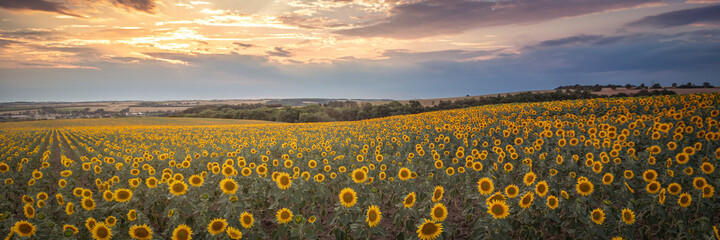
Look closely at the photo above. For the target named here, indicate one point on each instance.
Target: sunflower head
(409, 200)
(182, 232)
(228, 186)
(284, 216)
(429, 230)
(485, 186)
(438, 193)
(24, 228)
(541, 188)
(246, 220)
(529, 178)
(526, 200)
(217, 226)
(373, 216)
(141, 232)
(178, 188)
(512, 191)
(597, 216)
(348, 197)
(628, 216)
(101, 231)
(584, 188)
(552, 202)
(499, 209)
(439, 212)
(234, 233)
(283, 180)
(684, 200)
(358, 175)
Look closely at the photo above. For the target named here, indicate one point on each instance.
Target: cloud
(441, 17)
(244, 45)
(147, 6)
(580, 39)
(702, 15)
(36, 5)
(402, 55)
(310, 22)
(279, 52)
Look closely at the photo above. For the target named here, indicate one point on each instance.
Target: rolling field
(625, 168)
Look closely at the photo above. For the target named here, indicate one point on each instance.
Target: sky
(91, 50)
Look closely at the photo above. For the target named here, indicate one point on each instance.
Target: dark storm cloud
(706, 15)
(37, 5)
(279, 52)
(438, 17)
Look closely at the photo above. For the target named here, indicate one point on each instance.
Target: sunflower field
(617, 168)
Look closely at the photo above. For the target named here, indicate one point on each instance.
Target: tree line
(351, 110)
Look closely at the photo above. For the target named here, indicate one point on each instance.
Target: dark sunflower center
(247, 219)
(372, 216)
(409, 200)
(25, 228)
(541, 188)
(123, 195)
(526, 200)
(284, 180)
(429, 229)
(229, 186)
(216, 226)
(584, 187)
(102, 232)
(285, 215)
(497, 209)
(347, 198)
(404, 174)
(485, 186)
(511, 191)
(178, 187)
(438, 212)
(359, 175)
(436, 195)
(596, 216)
(141, 232)
(183, 234)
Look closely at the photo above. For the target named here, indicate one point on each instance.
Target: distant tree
(656, 86)
(707, 85)
(674, 85)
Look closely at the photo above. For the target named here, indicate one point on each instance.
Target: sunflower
(217, 226)
(123, 195)
(628, 216)
(529, 178)
(628, 174)
(24, 228)
(429, 230)
(373, 216)
(228, 186)
(111, 221)
(699, 183)
(597, 216)
(132, 215)
(608, 178)
(359, 176)
(283, 180)
(439, 212)
(195, 180)
(284, 216)
(233, 233)
(69, 229)
(499, 209)
(246, 220)
(141, 232)
(541, 188)
(182, 232)
(661, 196)
(409, 200)
(178, 188)
(684, 200)
(438, 193)
(101, 232)
(650, 175)
(348, 197)
(653, 187)
(526, 200)
(584, 188)
(88, 203)
(403, 174)
(108, 195)
(707, 168)
(552, 202)
(674, 189)
(151, 182)
(69, 208)
(512, 191)
(485, 186)
(708, 191)
(29, 210)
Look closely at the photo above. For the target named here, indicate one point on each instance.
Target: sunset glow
(210, 49)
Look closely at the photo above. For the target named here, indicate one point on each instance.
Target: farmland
(611, 168)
